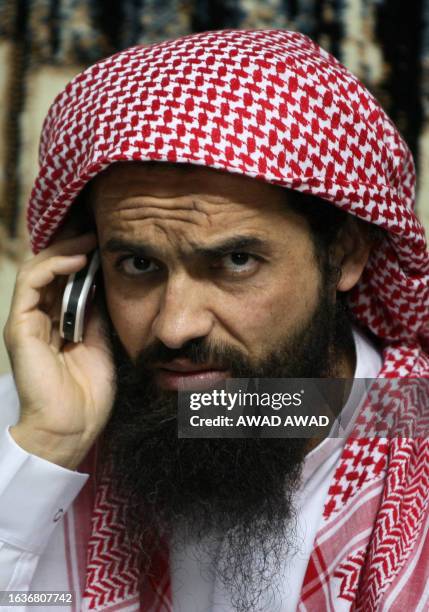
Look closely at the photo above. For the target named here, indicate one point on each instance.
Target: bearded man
(253, 209)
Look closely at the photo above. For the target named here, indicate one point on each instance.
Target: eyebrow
(234, 243)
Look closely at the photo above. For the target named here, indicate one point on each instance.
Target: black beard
(236, 493)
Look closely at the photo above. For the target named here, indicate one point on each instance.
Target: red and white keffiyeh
(268, 104)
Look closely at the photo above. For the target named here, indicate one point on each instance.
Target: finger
(70, 246)
(75, 246)
(30, 283)
(51, 297)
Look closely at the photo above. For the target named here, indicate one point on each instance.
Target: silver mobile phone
(79, 290)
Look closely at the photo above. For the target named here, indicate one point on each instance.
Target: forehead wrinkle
(204, 203)
(186, 202)
(197, 215)
(154, 232)
(147, 213)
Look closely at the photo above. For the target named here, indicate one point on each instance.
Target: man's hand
(66, 390)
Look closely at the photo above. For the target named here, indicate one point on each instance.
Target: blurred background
(44, 43)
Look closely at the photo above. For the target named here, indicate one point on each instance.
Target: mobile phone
(79, 290)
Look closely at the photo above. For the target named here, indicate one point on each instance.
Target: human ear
(351, 252)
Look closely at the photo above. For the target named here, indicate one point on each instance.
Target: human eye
(240, 262)
(132, 265)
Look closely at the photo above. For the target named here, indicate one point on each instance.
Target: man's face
(216, 256)
(208, 275)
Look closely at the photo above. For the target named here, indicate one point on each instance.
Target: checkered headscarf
(267, 104)
(271, 105)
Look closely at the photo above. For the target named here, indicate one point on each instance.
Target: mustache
(196, 350)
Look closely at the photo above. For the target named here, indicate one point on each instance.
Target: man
(189, 157)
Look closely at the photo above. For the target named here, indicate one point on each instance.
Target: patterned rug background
(43, 43)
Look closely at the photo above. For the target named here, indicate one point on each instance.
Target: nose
(183, 314)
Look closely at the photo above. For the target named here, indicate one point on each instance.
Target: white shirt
(35, 494)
